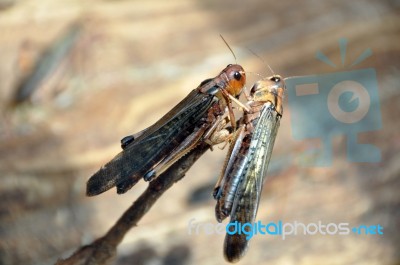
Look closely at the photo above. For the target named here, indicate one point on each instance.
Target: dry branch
(102, 250)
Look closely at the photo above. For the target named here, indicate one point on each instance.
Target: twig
(102, 250)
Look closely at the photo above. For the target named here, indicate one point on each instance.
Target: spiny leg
(237, 138)
(184, 148)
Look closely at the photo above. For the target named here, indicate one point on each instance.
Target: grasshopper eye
(276, 79)
(237, 76)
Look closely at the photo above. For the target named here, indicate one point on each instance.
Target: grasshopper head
(235, 76)
(270, 89)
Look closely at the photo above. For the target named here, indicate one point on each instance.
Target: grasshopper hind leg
(149, 176)
(126, 141)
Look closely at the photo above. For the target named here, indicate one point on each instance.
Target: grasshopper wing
(153, 145)
(248, 194)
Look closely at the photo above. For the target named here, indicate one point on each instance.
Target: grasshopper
(239, 187)
(196, 118)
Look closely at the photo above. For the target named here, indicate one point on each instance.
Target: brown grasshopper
(196, 118)
(238, 189)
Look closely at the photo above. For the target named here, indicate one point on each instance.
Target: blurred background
(77, 76)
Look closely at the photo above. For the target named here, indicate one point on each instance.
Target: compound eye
(237, 76)
(275, 79)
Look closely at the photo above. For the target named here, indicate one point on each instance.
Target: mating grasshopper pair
(203, 117)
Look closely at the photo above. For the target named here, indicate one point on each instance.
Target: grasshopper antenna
(229, 47)
(262, 60)
(257, 74)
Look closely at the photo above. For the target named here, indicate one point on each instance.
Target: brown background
(132, 62)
